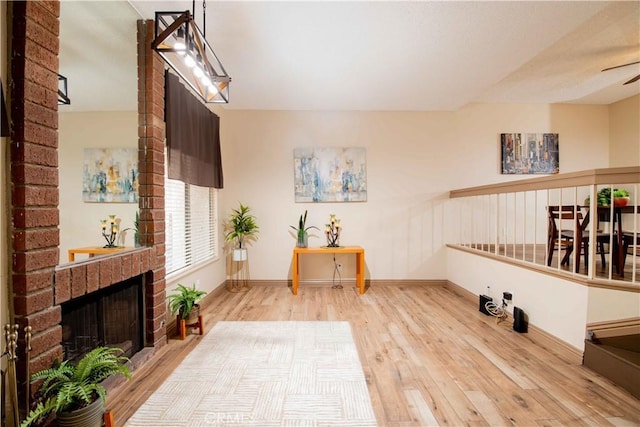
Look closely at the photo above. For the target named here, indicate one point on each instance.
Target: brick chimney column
(151, 132)
(34, 179)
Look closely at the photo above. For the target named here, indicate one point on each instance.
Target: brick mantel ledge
(80, 278)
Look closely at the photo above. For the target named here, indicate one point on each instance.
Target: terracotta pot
(621, 202)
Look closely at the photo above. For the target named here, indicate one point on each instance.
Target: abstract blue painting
(330, 174)
(110, 175)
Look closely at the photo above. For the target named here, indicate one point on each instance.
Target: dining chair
(567, 225)
(629, 241)
(583, 234)
(561, 231)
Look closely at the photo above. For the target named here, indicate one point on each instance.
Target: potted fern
(183, 302)
(243, 227)
(73, 391)
(302, 231)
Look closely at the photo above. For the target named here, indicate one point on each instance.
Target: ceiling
(384, 55)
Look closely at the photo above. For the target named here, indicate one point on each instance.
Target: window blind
(191, 225)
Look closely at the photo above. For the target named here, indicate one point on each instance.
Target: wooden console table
(357, 250)
(94, 250)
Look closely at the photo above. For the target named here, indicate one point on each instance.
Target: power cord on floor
(499, 312)
(336, 270)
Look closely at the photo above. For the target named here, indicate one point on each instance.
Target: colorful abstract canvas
(110, 175)
(330, 174)
(530, 153)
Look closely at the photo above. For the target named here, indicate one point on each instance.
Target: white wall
(557, 306)
(610, 304)
(413, 160)
(624, 133)
(80, 221)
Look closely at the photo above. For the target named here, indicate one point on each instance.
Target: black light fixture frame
(173, 26)
(63, 92)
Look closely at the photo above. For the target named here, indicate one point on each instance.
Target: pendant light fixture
(63, 94)
(184, 47)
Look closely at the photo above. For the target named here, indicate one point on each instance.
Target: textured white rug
(265, 374)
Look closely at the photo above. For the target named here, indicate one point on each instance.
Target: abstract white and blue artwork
(330, 174)
(110, 175)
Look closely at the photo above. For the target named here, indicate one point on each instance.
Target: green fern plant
(67, 387)
(183, 299)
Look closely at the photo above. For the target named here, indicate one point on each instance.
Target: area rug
(265, 374)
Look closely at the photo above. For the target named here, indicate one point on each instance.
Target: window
(191, 224)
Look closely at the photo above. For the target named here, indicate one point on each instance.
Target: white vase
(239, 255)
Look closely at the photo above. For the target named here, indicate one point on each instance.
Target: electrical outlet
(339, 266)
(507, 297)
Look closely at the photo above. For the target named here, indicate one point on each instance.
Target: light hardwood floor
(429, 357)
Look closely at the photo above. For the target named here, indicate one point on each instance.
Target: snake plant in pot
(73, 391)
(302, 231)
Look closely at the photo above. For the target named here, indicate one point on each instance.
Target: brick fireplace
(38, 285)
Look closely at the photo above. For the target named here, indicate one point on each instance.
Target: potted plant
(136, 230)
(243, 227)
(183, 302)
(73, 391)
(620, 197)
(301, 231)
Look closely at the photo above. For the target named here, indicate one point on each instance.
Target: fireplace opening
(109, 317)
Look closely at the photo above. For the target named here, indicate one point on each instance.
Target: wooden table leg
(295, 279)
(360, 271)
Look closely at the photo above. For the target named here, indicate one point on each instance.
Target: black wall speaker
(520, 320)
(483, 301)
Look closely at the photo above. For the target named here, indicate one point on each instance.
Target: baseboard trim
(349, 282)
(571, 354)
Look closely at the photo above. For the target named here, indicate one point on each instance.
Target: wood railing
(511, 220)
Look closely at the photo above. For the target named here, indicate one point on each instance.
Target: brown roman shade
(193, 137)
